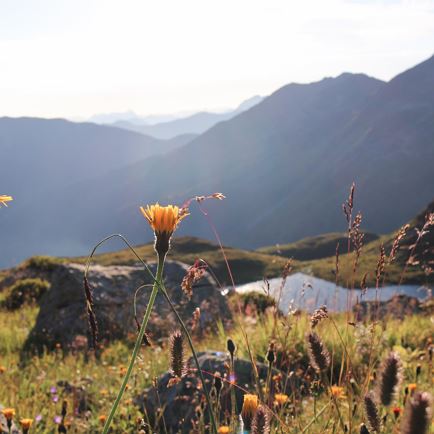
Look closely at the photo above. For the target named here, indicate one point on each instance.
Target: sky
(76, 58)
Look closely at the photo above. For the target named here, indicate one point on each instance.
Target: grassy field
(36, 387)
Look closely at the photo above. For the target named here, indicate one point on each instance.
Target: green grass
(317, 247)
(26, 386)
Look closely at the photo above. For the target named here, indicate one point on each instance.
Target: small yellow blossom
(280, 398)
(412, 387)
(338, 392)
(224, 430)
(26, 423)
(2, 369)
(250, 405)
(8, 413)
(163, 219)
(102, 418)
(4, 199)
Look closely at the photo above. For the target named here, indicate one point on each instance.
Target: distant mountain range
(131, 118)
(194, 124)
(285, 165)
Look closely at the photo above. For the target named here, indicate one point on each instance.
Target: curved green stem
(196, 360)
(138, 343)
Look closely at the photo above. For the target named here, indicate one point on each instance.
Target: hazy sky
(74, 58)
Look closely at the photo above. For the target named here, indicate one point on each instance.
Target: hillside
(40, 156)
(245, 265)
(320, 246)
(417, 272)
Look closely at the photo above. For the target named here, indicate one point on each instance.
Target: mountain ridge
(285, 165)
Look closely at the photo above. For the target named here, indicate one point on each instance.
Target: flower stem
(138, 343)
(190, 342)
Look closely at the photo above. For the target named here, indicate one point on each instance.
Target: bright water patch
(306, 292)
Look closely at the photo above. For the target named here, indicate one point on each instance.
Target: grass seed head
(372, 415)
(177, 356)
(418, 413)
(318, 353)
(389, 379)
(261, 421)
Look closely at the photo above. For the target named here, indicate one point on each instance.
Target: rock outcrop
(62, 317)
(181, 403)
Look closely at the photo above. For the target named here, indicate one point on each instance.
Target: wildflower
(26, 424)
(8, 413)
(280, 399)
(38, 418)
(4, 199)
(261, 421)
(104, 392)
(337, 392)
(418, 412)
(389, 379)
(397, 411)
(53, 390)
(102, 418)
(318, 353)
(412, 387)
(57, 420)
(163, 220)
(224, 430)
(250, 404)
(2, 369)
(372, 413)
(55, 398)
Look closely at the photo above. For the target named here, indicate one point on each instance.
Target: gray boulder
(179, 404)
(62, 317)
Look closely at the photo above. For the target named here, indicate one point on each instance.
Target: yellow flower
(250, 405)
(8, 413)
(338, 392)
(280, 398)
(2, 369)
(412, 387)
(4, 199)
(102, 418)
(163, 218)
(224, 430)
(26, 423)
